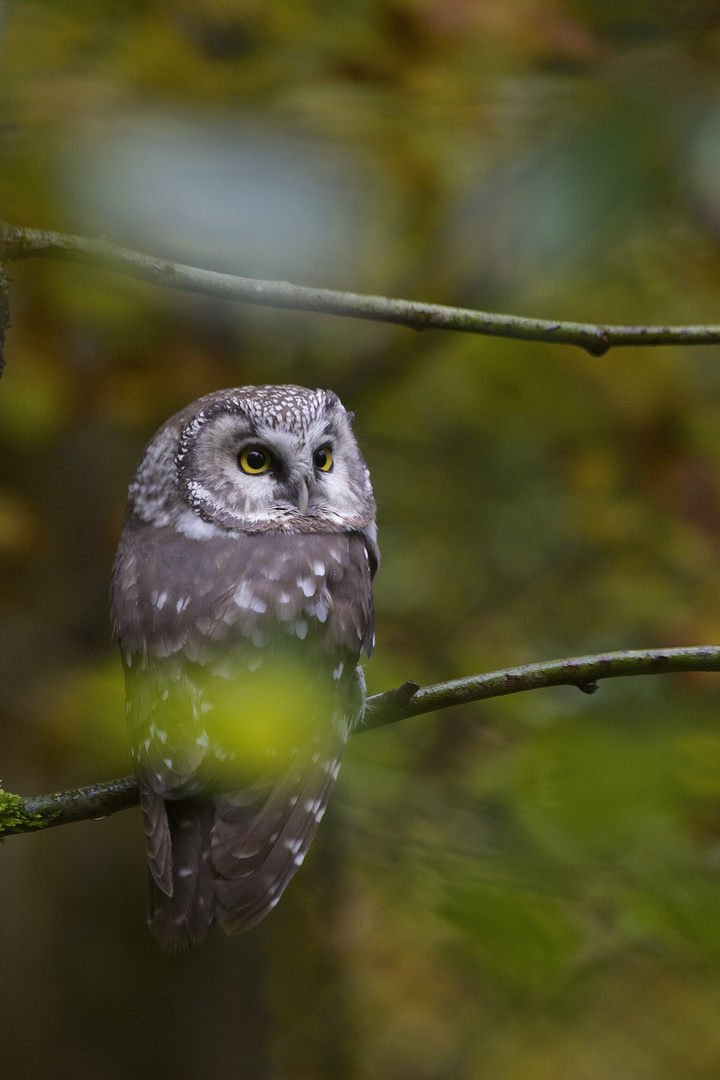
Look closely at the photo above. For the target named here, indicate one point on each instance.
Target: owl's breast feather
(174, 594)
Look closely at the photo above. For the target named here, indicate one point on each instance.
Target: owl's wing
(171, 751)
(253, 597)
(257, 847)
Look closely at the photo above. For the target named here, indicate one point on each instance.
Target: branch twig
(18, 815)
(17, 243)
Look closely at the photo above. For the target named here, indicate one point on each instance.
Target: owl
(241, 597)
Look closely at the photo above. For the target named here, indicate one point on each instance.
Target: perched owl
(242, 601)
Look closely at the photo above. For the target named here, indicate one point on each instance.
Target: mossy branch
(18, 243)
(18, 815)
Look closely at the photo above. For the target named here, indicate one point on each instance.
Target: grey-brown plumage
(242, 601)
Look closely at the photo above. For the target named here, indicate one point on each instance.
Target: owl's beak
(302, 495)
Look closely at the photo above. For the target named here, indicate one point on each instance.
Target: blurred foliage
(524, 888)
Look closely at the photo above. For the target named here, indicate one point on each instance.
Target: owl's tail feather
(231, 858)
(180, 907)
(256, 851)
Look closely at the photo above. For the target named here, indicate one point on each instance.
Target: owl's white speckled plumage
(227, 577)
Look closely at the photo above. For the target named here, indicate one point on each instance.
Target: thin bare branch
(584, 672)
(18, 243)
(18, 815)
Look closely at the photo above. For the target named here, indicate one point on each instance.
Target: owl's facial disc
(280, 472)
(256, 470)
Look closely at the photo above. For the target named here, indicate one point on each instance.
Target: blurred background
(524, 888)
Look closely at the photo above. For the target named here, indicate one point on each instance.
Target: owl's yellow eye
(322, 459)
(254, 460)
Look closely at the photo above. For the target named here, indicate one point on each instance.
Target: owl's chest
(256, 595)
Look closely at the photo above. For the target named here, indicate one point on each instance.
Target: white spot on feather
(321, 611)
(244, 595)
(307, 585)
(318, 568)
(203, 740)
(338, 671)
(301, 628)
(185, 872)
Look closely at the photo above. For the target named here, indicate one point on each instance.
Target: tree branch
(584, 672)
(19, 815)
(17, 243)
(4, 305)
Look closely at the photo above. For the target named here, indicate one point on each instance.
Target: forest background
(524, 888)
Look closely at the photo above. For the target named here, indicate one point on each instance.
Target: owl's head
(256, 459)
